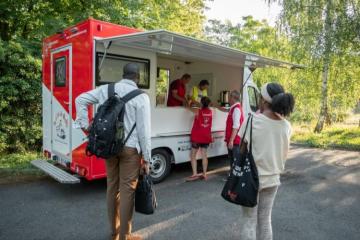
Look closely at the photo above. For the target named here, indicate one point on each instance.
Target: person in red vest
(234, 121)
(201, 137)
(177, 93)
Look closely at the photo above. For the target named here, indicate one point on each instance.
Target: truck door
(251, 94)
(61, 79)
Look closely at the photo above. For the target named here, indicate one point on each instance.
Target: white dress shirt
(137, 110)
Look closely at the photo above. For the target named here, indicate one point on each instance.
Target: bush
(17, 161)
(20, 97)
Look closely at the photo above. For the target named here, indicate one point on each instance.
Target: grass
(17, 167)
(339, 136)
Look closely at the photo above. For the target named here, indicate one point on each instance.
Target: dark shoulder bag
(242, 185)
(145, 198)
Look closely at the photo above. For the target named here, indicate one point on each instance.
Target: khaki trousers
(122, 176)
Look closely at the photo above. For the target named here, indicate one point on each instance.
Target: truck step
(55, 172)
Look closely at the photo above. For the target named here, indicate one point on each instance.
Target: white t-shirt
(270, 146)
(236, 116)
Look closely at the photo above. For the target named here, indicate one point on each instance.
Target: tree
(23, 25)
(20, 97)
(326, 30)
(35, 19)
(258, 37)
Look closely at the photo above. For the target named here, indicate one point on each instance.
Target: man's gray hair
(235, 94)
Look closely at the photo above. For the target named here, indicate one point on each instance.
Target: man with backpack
(130, 137)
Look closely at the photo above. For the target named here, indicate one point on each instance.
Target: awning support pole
(107, 45)
(247, 79)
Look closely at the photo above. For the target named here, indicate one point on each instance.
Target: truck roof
(172, 44)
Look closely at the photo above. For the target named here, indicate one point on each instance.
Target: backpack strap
(131, 131)
(127, 98)
(111, 90)
(131, 95)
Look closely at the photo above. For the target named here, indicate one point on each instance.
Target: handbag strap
(251, 128)
(246, 127)
(154, 200)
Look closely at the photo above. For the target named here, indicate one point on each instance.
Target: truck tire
(160, 165)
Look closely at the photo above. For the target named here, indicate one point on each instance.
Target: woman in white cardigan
(270, 145)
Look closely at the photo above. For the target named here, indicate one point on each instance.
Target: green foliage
(184, 17)
(326, 32)
(17, 167)
(343, 137)
(17, 161)
(20, 97)
(162, 86)
(305, 22)
(23, 25)
(35, 19)
(162, 82)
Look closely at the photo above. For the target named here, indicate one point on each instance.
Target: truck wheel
(160, 165)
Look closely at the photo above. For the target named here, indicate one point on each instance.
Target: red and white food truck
(93, 52)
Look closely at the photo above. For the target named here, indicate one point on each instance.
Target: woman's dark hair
(204, 83)
(186, 76)
(205, 101)
(282, 103)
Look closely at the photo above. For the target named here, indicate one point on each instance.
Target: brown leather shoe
(134, 237)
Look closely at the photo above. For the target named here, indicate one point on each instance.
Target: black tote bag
(145, 199)
(242, 185)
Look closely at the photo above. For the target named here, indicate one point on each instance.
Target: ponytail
(205, 102)
(283, 103)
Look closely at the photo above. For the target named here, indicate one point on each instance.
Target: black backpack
(107, 131)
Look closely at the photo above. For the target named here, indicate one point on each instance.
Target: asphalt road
(319, 199)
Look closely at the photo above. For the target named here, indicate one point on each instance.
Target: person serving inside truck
(199, 91)
(177, 93)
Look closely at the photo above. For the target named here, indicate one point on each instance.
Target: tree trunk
(4, 31)
(325, 71)
(324, 108)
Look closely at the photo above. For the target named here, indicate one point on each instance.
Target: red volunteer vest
(229, 124)
(201, 130)
(181, 91)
